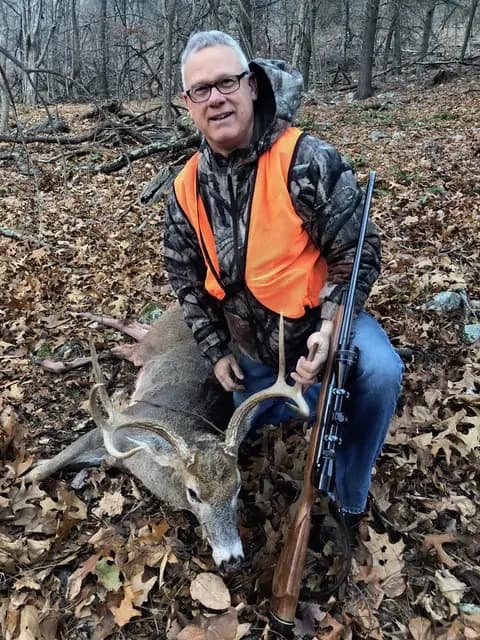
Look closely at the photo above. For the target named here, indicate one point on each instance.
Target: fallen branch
(86, 137)
(16, 235)
(122, 161)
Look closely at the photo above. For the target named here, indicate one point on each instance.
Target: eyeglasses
(202, 92)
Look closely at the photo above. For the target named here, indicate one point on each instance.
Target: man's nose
(216, 97)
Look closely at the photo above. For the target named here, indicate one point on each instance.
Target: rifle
(319, 474)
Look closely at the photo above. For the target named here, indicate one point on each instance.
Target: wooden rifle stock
(319, 465)
(287, 578)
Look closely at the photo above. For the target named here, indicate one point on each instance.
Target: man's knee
(382, 369)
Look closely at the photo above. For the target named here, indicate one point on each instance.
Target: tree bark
(468, 29)
(365, 89)
(32, 49)
(105, 91)
(76, 65)
(427, 29)
(4, 107)
(169, 15)
(347, 34)
(245, 26)
(390, 32)
(298, 33)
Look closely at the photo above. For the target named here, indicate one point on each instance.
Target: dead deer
(164, 437)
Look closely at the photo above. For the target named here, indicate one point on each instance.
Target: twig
(10, 233)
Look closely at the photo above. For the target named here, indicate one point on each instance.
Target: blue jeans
(374, 385)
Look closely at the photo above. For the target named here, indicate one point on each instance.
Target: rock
(471, 333)
(445, 302)
(377, 135)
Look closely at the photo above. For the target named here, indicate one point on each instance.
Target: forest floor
(103, 559)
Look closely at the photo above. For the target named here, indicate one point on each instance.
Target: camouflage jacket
(325, 195)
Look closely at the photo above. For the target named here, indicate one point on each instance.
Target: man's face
(226, 121)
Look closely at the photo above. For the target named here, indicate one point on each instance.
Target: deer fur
(164, 437)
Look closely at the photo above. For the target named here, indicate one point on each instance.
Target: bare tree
(169, 15)
(33, 42)
(365, 89)
(104, 49)
(427, 28)
(4, 103)
(468, 29)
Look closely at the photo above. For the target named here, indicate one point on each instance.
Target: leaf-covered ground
(92, 555)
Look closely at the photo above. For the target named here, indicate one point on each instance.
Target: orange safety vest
(283, 269)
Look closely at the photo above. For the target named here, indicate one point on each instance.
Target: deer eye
(193, 495)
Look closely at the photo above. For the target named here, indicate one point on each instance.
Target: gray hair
(204, 39)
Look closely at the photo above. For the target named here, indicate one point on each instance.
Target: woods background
(129, 49)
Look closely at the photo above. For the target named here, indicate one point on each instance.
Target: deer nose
(227, 567)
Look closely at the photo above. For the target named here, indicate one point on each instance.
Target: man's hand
(227, 371)
(306, 371)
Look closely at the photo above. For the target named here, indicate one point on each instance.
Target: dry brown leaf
(78, 576)
(192, 632)
(437, 540)
(210, 590)
(420, 628)
(222, 627)
(452, 588)
(140, 588)
(388, 561)
(125, 611)
(29, 626)
(111, 504)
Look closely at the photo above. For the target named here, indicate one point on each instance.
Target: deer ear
(161, 451)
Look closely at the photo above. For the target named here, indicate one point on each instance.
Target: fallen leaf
(420, 628)
(452, 588)
(108, 574)
(192, 632)
(111, 504)
(125, 611)
(210, 590)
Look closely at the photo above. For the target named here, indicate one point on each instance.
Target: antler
(116, 421)
(280, 389)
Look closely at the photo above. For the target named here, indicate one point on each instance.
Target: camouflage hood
(280, 89)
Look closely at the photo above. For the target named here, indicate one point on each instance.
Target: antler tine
(100, 381)
(280, 389)
(119, 421)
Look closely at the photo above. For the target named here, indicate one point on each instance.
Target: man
(265, 220)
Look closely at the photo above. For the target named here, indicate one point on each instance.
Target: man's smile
(221, 116)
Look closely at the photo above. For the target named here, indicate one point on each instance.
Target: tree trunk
(427, 29)
(76, 65)
(468, 29)
(364, 89)
(397, 42)
(245, 27)
(32, 49)
(309, 43)
(390, 33)
(347, 34)
(4, 106)
(299, 34)
(103, 51)
(169, 15)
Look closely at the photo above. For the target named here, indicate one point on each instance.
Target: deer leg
(85, 451)
(135, 330)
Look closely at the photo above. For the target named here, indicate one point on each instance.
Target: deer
(164, 437)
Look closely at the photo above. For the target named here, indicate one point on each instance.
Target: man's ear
(252, 81)
(184, 97)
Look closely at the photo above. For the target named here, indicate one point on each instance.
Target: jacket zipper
(234, 211)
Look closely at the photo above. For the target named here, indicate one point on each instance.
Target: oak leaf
(210, 590)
